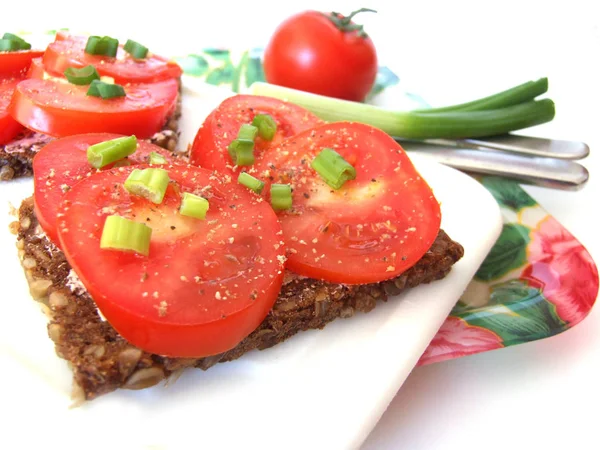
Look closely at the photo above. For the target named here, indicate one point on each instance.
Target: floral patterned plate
(537, 280)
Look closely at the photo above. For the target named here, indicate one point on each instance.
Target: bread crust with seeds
(102, 361)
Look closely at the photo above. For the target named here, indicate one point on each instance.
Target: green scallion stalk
(156, 158)
(267, 127)
(82, 76)
(417, 125)
(513, 96)
(12, 42)
(281, 196)
(135, 49)
(105, 90)
(254, 184)
(123, 234)
(193, 206)
(104, 46)
(333, 168)
(148, 183)
(107, 152)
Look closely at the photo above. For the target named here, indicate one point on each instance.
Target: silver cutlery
(530, 160)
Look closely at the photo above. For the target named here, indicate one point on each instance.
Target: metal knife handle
(527, 145)
(552, 173)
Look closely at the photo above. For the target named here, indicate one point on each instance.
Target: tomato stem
(347, 20)
(344, 23)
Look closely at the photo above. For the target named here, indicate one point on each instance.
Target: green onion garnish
(242, 152)
(250, 182)
(107, 152)
(104, 46)
(267, 127)
(247, 132)
(148, 183)
(333, 168)
(281, 196)
(138, 51)
(120, 233)
(157, 158)
(6, 45)
(193, 206)
(11, 42)
(105, 90)
(241, 149)
(82, 76)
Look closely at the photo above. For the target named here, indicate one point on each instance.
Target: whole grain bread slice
(16, 157)
(102, 361)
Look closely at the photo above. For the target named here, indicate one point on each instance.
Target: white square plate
(324, 389)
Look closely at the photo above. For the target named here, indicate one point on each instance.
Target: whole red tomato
(322, 53)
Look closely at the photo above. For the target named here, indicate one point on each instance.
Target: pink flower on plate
(563, 269)
(457, 338)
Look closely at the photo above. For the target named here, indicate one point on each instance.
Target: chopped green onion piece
(148, 183)
(138, 51)
(241, 149)
(242, 152)
(281, 196)
(82, 76)
(247, 132)
(105, 90)
(267, 127)
(157, 158)
(333, 168)
(120, 233)
(250, 182)
(12, 42)
(104, 153)
(6, 45)
(14, 37)
(193, 206)
(104, 46)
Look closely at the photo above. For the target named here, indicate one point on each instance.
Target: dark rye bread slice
(102, 361)
(17, 156)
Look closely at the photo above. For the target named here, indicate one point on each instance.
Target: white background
(538, 395)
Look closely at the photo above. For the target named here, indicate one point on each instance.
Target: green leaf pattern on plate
(518, 313)
(508, 193)
(385, 78)
(509, 252)
(224, 67)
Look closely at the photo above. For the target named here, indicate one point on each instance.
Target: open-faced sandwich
(82, 84)
(280, 223)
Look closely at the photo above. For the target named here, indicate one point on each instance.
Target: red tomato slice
(62, 163)
(68, 51)
(205, 285)
(17, 63)
(63, 109)
(9, 127)
(374, 227)
(36, 69)
(209, 148)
